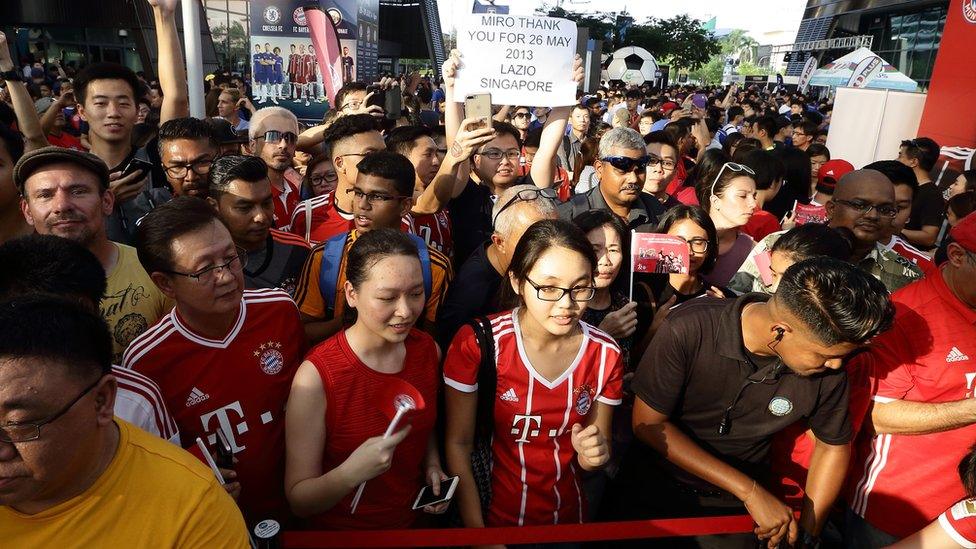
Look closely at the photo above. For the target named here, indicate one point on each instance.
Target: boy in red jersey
(225, 357)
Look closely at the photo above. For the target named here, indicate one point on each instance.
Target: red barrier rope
(595, 531)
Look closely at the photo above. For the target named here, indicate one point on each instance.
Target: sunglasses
(275, 136)
(627, 164)
(735, 168)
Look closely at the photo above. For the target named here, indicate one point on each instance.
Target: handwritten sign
(519, 60)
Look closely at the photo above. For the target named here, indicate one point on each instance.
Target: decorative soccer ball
(631, 65)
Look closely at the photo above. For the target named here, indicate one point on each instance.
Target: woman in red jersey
(555, 384)
(335, 421)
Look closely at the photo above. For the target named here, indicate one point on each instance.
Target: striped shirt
(139, 402)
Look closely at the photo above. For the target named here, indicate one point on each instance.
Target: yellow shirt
(132, 303)
(152, 495)
(308, 294)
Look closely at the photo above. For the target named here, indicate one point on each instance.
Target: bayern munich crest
(969, 10)
(584, 399)
(299, 17)
(270, 358)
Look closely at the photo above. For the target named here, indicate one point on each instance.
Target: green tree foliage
(680, 41)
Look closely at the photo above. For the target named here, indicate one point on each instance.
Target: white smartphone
(426, 496)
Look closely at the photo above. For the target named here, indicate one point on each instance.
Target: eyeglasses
(525, 195)
(275, 136)
(180, 171)
(208, 274)
(627, 164)
(319, 179)
(24, 432)
(495, 154)
(522, 115)
(373, 198)
(555, 293)
(654, 160)
(863, 208)
(735, 168)
(697, 245)
(351, 105)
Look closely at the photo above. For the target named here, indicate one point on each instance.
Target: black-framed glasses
(27, 431)
(331, 177)
(627, 164)
(373, 198)
(697, 245)
(735, 168)
(180, 171)
(275, 136)
(863, 208)
(525, 195)
(655, 160)
(207, 274)
(555, 293)
(496, 154)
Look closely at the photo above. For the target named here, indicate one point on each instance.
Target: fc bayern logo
(299, 17)
(969, 10)
(584, 400)
(270, 358)
(272, 15)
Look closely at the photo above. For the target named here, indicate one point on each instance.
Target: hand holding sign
(519, 60)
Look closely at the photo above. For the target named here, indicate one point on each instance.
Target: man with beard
(187, 146)
(66, 193)
(273, 137)
(240, 193)
(622, 167)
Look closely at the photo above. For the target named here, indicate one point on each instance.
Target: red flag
(809, 213)
(659, 253)
(325, 40)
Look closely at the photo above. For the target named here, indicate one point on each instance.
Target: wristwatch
(12, 76)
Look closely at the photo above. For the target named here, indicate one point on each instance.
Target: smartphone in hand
(479, 106)
(426, 496)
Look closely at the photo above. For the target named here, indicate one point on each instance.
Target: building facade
(906, 33)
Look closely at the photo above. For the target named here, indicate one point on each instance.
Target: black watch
(12, 76)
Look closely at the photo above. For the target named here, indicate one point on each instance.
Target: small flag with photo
(659, 253)
(809, 213)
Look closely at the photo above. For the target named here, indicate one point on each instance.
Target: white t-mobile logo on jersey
(224, 422)
(526, 429)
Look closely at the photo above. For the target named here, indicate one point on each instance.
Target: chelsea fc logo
(272, 15)
(270, 358)
(780, 406)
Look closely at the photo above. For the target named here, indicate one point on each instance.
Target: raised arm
(553, 131)
(27, 120)
(453, 112)
(452, 176)
(171, 69)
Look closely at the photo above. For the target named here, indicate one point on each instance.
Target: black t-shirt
(928, 208)
(696, 364)
(474, 292)
(278, 264)
(470, 214)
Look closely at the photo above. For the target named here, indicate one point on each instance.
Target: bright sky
(755, 16)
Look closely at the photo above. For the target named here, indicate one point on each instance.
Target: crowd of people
(202, 319)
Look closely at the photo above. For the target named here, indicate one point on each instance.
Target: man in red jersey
(225, 357)
(921, 421)
(240, 193)
(273, 135)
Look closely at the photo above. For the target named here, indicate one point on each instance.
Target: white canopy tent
(862, 68)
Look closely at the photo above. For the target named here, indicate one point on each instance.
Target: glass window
(237, 6)
(216, 4)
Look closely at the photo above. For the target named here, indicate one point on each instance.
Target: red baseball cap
(668, 107)
(831, 172)
(964, 233)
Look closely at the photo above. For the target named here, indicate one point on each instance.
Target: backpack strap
(424, 254)
(329, 271)
(487, 375)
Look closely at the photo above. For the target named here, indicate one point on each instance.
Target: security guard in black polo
(721, 377)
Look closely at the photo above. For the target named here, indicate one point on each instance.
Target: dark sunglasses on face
(627, 164)
(274, 136)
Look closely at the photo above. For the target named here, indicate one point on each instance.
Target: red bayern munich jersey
(317, 219)
(239, 384)
(959, 523)
(913, 254)
(435, 229)
(534, 478)
(924, 357)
